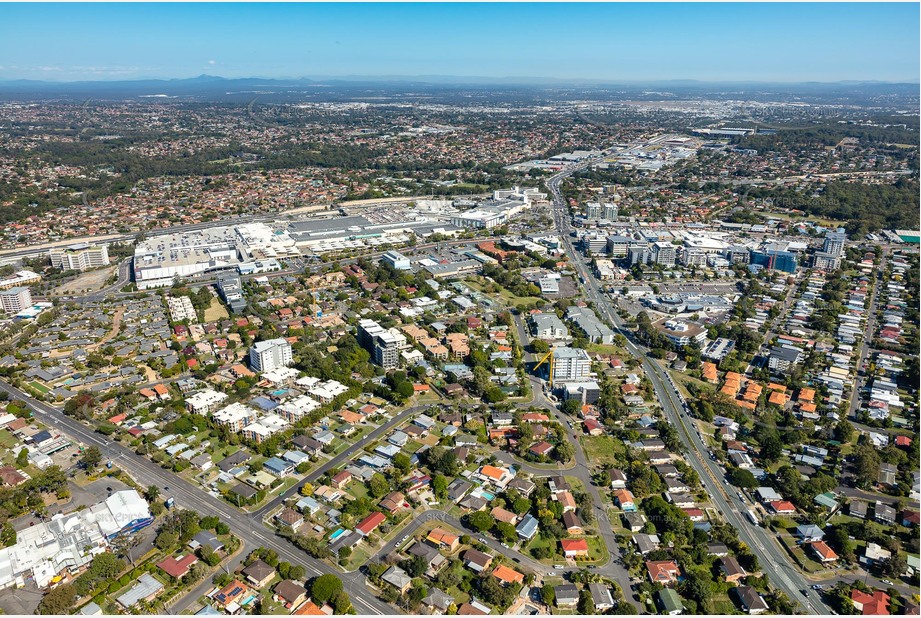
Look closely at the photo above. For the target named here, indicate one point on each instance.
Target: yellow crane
(547, 357)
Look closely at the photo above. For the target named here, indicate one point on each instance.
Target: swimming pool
(335, 535)
(479, 492)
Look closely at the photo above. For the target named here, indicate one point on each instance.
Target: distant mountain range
(218, 88)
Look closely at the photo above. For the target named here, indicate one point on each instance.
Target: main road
(147, 473)
(771, 556)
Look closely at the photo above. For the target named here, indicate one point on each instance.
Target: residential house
(259, 573)
(473, 608)
(397, 577)
(289, 593)
(177, 567)
(567, 595)
(574, 548)
(823, 552)
(751, 601)
(527, 528)
(601, 596)
(731, 569)
(624, 499)
(572, 523)
(477, 561)
(507, 575)
(669, 602)
(442, 539)
(617, 478)
(646, 543)
(433, 558)
(665, 572)
(289, 519)
(876, 604)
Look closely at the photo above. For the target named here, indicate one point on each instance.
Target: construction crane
(547, 357)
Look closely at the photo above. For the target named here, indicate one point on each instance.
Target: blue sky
(630, 42)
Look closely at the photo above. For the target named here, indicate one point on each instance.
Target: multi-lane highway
(770, 555)
(186, 495)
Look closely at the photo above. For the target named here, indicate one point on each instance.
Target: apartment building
(270, 354)
(79, 257)
(15, 299)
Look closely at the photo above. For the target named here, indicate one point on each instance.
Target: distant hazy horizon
(617, 42)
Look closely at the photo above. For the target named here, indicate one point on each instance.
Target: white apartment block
(204, 401)
(80, 257)
(297, 408)
(15, 299)
(571, 364)
(327, 391)
(264, 428)
(270, 354)
(235, 417)
(664, 253)
(180, 308)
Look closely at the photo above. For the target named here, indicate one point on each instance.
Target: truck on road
(752, 517)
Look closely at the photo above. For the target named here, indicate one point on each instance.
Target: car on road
(483, 541)
(887, 582)
(817, 586)
(804, 592)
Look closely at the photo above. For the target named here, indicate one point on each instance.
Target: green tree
(22, 458)
(59, 600)
(506, 532)
(440, 486)
(401, 462)
(481, 521)
(548, 595)
(91, 457)
(586, 605)
(324, 588)
(742, 478)
(166, 539)
(152, 493)
(378, 485)
(7, 535)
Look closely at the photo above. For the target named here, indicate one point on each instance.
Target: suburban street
(186, 495)
(762, 543)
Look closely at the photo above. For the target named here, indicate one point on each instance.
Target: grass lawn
(682, 379)
(429, 397)
(505, 295)
(604, 348)
(722, 604)
(7, 440)
(575, 484)
(359, 490)
(360, 555)
(602, 450)
(804, 561)
(412, 446)
(44, 390)
(596, 550)
(539, 541)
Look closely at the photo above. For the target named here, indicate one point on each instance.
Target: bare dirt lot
(216, 311)
(87, 282)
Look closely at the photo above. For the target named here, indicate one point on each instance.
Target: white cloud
(212, 62)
